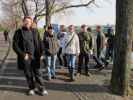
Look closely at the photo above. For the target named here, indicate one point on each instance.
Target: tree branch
(74, 6)
(64, 8)
(24, 8)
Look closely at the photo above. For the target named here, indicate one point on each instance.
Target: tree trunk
(25, 8)
(48, 13)
(122, 50)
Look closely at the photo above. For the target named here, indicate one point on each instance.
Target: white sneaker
(44, 92)
(31, 92)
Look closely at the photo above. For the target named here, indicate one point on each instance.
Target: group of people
(68, 45)
(97, 45)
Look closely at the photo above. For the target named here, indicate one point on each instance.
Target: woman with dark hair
(50, 48)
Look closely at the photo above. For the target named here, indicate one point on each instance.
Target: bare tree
(47, 8)
(56, 6)
(10, 15)
(41, 8)
(120, 81)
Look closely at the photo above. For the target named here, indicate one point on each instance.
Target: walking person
(26, 44)
(110, 44)
(51, 47)
(5, 35)
(93, 54)
(71, 49)
(85, 40)
(100, 40)
(60, 37)
(101, 49)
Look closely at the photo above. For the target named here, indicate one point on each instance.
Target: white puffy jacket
(73, 47)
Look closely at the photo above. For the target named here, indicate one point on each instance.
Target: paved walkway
(13, 84)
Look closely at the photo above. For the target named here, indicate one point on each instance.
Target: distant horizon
(108, 25)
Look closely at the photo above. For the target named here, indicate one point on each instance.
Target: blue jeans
(51, 61)
(71, 59)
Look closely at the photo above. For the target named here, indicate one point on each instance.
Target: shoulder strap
(70, 41)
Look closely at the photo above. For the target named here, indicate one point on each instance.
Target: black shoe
(101, 68)
(53, 77)
(98, 66)
(106, 64)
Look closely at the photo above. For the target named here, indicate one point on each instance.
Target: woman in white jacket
(71, 49)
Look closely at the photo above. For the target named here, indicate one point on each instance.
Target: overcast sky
(104, 14)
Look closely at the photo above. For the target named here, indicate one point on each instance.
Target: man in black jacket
(27, 45)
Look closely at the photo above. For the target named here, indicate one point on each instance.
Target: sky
(102, 15)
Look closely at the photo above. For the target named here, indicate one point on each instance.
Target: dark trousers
(59, 56)
(109, 53)
(82, 58)
(33, 75)
(64, 61)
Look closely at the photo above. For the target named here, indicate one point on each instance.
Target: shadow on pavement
(18, 84)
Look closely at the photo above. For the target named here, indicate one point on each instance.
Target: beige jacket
(73, 47)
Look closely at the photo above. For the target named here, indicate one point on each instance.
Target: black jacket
(19, 47)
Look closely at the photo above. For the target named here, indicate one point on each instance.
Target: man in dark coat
(27, 45)
(110, 44)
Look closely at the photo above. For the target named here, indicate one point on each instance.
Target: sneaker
(31, 92)
(44, 92)
(78, 74)
(97, 66)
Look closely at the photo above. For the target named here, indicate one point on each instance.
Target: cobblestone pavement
(13, 84)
